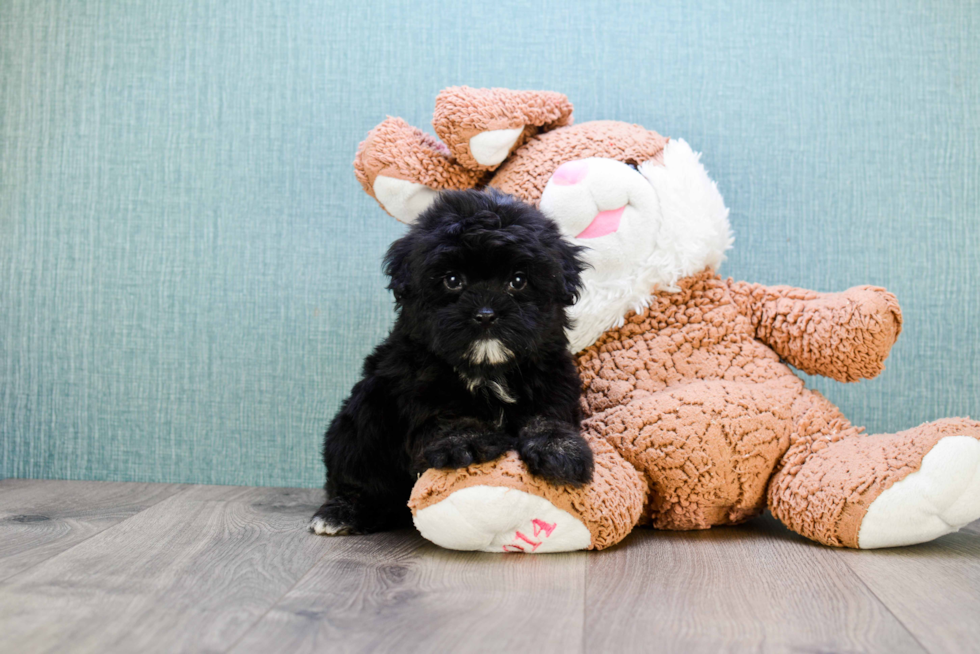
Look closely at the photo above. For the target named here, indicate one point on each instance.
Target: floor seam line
(882, 602)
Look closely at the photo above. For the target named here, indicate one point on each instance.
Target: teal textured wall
(189, 272)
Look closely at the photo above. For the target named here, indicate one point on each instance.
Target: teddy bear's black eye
(454, 281)
(518, 281)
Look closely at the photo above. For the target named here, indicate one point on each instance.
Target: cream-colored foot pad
(938, 499)
(500, 519)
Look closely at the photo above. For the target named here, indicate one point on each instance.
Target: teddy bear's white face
(646, 228)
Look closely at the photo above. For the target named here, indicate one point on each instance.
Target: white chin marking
(492, 147)
(403, 200)
(321, 527)
(489, 351)
(497, 519)
(939, 498)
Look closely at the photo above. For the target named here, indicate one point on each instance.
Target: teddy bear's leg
(500, 507)
(841, 487)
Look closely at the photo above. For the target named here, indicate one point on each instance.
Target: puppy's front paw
(465, 448)
(557, 452)
(334, 518)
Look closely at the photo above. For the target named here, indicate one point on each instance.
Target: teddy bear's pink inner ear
(482, 127)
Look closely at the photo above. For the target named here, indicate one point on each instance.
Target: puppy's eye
(518, 281)
(454, 281)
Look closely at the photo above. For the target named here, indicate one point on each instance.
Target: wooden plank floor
(110, 567)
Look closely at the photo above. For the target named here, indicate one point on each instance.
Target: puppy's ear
(572, 264)
(397, 266)
(403, 168)
(483, 126)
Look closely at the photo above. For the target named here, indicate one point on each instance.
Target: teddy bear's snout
(588, 198)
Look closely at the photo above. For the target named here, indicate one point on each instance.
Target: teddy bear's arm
(845, 336)
(483, 126)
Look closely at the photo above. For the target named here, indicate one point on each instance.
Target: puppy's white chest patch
(498, 388)
(502, 392)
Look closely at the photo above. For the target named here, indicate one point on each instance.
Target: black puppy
(476, 364)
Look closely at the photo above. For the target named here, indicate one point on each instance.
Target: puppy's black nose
(485, 316)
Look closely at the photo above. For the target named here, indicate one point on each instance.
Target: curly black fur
(477, 362)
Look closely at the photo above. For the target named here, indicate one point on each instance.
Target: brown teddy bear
(692, 413)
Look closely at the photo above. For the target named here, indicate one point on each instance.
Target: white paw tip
(492, 147)
(321, 527)
(941, 497)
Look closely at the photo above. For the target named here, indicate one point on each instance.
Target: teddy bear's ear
(483, 126)
(403, 168)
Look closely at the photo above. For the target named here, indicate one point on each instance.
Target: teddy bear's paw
(938, 499)
(501, 519)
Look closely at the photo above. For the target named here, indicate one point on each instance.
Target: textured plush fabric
(845, 336)
(189, 271)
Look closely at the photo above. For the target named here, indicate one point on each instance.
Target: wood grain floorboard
(933, 588)
(191, 573)
(755, 587)
(40, 519)
(398, 593)
(146, 567)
